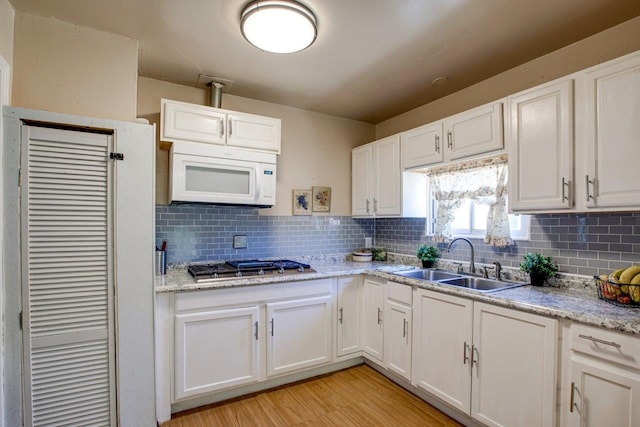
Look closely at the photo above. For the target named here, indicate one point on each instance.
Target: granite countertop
(575, 303)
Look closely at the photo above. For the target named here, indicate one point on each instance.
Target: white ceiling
(372, 60)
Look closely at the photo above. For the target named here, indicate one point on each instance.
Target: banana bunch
(623, 285)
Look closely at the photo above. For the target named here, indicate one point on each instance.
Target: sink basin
(480, 284)
(431, 274)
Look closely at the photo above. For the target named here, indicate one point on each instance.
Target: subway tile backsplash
(588, 244)
(199, 232)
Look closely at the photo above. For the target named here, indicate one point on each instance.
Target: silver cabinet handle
(272, 326)
(565, 185)
(599, 341)
(340, 317)
(367, 205)
(449, 139)
(474, 355)
(375, 205)
(404, 328)
(256, 330)
(437, 143)
(230, 128)
(572, 403)
(588, 182)
(465, 358)
(379, 316)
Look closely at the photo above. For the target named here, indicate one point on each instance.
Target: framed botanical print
(302, 202)
(321, 199)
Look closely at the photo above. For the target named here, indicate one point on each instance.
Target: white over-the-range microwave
(221, 175)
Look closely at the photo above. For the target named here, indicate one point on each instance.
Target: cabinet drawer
(399, 292)
(614, 346)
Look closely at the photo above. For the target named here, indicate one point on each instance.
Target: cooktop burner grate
(246, 268)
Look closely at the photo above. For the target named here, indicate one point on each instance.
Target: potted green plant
(428, 255)
(539, 267)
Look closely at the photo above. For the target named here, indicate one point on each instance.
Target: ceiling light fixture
(278, 26)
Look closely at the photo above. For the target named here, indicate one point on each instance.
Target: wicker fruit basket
(618, 294)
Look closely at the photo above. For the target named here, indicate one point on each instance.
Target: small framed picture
(321, 199)
(302, 202)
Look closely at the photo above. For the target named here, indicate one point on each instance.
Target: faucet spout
(472, 265)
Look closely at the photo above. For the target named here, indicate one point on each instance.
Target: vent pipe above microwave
(216, 94)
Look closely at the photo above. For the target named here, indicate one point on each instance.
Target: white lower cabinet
(442, 347)
(604, 387)
(372, 331)
(495, 364)
(299, 334)
(348, 315)
(397, 329)
(215, 350)
(513, 358)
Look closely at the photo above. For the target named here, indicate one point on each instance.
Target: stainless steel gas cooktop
(246, 268)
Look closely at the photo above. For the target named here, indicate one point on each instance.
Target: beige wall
(6, 31)
(67, 68)
(609, 44)
(316, 148)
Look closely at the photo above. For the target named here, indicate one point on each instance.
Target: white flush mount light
(278, 26)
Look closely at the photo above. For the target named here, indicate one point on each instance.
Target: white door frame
(5, 99)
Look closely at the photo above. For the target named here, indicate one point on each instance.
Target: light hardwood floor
(357, 396)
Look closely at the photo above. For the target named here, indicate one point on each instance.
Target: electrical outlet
(239, 241)
(367, 242)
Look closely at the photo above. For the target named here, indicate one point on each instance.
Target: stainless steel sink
(431, 274)
(481, 284)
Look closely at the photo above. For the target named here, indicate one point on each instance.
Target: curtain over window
(483, 181)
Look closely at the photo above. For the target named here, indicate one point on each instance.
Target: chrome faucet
(472, 266)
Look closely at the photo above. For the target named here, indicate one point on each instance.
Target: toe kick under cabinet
(237, 336)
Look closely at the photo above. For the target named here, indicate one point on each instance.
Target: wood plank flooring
(357, 396)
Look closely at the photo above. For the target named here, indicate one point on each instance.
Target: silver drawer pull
(599, 341)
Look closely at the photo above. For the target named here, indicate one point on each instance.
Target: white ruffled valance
(482, 181)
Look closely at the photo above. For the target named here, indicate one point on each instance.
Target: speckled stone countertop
(577, 301)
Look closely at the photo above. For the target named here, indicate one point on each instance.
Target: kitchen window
(470, 200)
(470, 220)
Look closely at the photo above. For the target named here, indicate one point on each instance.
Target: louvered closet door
(67, 278)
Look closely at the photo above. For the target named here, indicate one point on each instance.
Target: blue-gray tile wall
(591, 243)
(199, 232)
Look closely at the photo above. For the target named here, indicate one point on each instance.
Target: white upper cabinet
(474, 132)
(611, 95)
(548, 172)
(376, 179)
(181, 121)
(470, 133)
(540, 145)
(422, 146)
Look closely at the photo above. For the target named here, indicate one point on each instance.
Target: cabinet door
(181, 121)
(475, 131)
(541, 148)
(387, 185)
(215, 350)
(442, 347)
(514, 361)
(612, 118)
(255, 132)
(397, 338)
(299, 334)
(361, 181)
(603, 395)
(348, 312)
(372, 312)
(422, 146)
